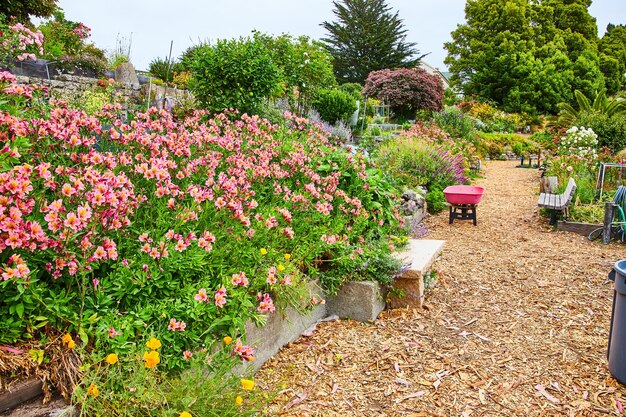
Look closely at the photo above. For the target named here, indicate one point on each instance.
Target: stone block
(407, 292)
(420, 255)
(281, 328)
(357, 300)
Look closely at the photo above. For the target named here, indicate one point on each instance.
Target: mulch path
(517, 325)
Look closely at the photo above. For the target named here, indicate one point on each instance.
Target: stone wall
(72, 86)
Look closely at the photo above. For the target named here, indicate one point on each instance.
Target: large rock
(125, 75)
(357, 300)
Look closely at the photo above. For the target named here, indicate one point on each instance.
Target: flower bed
(117, 231)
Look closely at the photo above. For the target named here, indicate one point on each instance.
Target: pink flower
(271, 275)
(187, 355)
(176, 325)
(201, 296)
(220, 297)
(239, 280)
(113, 333)
(288, 231)
(266, 304)
(245, 352)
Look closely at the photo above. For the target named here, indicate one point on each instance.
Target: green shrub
(233, 73)
(611, 130)
(354, 89)
(208, 384)
(334, 105)
(416, 163)
(163, 69)
(450, 97)
(435, 200)
(455, 122)
(65, 43)
(545, 139)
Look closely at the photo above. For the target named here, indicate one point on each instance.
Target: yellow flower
(92, 390)
(152, 358)
(247, 384)
(238, 400)
(153, 343)
(281, 267)
(263, 251)
(67, 338)
(71, 344)
(228, 340)
(185, 414)
(112, 358)
(287, 256)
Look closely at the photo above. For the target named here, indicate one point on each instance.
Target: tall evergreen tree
(367, 36)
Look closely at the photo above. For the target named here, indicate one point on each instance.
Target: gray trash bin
(616, 352)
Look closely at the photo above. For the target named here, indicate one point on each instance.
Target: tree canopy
(528, 55)
(612, 49)
(23, 9)
(367, 36)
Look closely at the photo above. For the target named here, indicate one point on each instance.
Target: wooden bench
(558, 202)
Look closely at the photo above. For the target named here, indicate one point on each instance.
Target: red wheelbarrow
(463, 200)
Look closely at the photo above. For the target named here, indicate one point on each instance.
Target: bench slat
(558, 201)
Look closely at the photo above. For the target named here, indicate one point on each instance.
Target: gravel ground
(517, 325)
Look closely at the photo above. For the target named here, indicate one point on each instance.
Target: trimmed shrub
(334, 105)
(406, 90)
(237, 74)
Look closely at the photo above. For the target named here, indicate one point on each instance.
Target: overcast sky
(153, 24)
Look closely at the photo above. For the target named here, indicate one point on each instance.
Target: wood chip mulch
(517, 326)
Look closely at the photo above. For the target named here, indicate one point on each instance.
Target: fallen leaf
(414, 395)
(542, 390)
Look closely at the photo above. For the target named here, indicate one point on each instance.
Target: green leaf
(19, 309)
(36, 355)
(83, 336)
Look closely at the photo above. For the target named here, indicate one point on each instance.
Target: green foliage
(234, 74)
(525, 56)
(128, 389)
(334, 105)
(494, 120)
(305, 65)
(94, 99)
(65, 43)
(455, 123)
(545, 139)
(163, 69)
(612, 47)
(450, 97)
(601, 105)
(417, 163)
(354, 89)
(23, 9)
(496, 144)
(367, 37)
(611, 130)
(435, 200)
